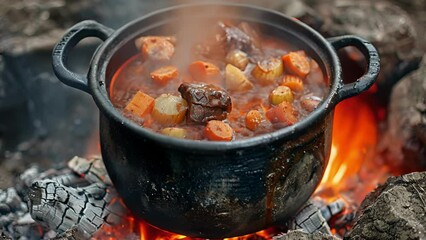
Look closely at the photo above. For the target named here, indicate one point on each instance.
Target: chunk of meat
(284, 113)
(242, 37)
(157, 48)
(205, 102)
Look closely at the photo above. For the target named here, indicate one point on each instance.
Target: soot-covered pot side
(213, 189)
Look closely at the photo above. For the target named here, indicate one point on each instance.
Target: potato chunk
(237, 58)
(235, 80)
(169, 109)
(174, 132)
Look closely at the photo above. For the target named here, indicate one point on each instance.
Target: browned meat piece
(205, 102)
(239, 38)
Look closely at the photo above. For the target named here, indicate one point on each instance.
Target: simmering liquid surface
(256, 72)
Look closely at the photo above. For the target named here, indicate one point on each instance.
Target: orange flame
(352, 165)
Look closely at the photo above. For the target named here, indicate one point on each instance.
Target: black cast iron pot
(213, 189)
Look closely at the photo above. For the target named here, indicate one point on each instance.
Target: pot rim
(97, 75)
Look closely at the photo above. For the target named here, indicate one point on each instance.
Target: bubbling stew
(236, 83)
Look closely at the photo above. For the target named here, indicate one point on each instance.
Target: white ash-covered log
(314, 216)
(395, 210)
(76, 201)
(84, 209)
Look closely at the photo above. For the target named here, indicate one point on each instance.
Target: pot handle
(371, 55)
(75, 34)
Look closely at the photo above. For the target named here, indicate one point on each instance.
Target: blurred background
(45, 122)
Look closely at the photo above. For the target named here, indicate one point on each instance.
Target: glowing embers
(148, 232)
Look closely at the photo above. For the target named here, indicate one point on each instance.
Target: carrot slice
(283, 113)
(141, 104)
(164, 74)
(204, 71)
(295, 83)
(253, 119)
(297, 64)
(218, 131)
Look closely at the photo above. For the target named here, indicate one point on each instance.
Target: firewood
(404, 141)
(310, 220)
(93, 170)
(395, 210)
(386, 25)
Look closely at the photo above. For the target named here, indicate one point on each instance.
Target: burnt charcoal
(3, 236)
(26, 228)
(301, 235)
(310, 220)
(92, 170)
(383, 23)
(404, 141)
(205, 102)
(395, 210)
(70, 234)
(11, 207)
(61, 208)
(314, 215)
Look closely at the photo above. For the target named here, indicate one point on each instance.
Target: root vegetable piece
(141, 104)
(159, 48)
(282, 113)
(267, 71)
(218, 131)
(235, 80)
(237, 58)
(253, 119)
(204, 72)
(205, 102)
(295, 83)
(164, 74)
(296, 63)
(280, 94)
(169, 109)
(309, 104)
(174, 132)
